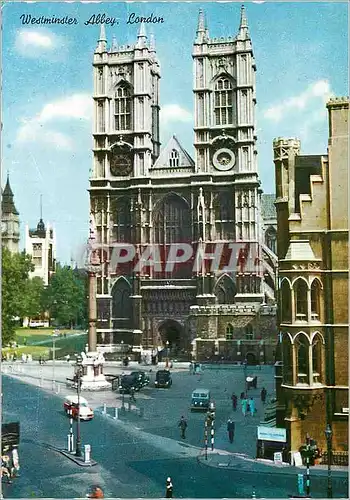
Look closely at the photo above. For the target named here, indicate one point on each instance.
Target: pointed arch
(121, 217)
(123, 106)
(172, 220)
(174, 158)
(225, 290)
(316, 291)
(302, 348)
(271, 239)
(300, 286)
(223, 100)
(286, 301)
(317, 357)
(287, 358)
(121, 303)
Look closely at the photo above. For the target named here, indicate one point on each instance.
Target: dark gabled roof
(7, 203)
(268, 209)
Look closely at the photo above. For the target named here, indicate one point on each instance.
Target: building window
(122, 108)
(229, 332)
(302, 349)
(121, 304)
(317, 348)
(249, 335)
(287, 358)
(286, 303)
(225, 291)
(270, 239)
(37, 254)
(121, 221)
(223, 102)
(174, 158)
(300, 288)
(315, 299)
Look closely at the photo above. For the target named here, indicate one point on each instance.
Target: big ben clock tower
(9, 220)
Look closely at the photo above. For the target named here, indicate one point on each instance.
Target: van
(201, 400)
(70, 406)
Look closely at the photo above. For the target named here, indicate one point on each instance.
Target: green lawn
(39, 343)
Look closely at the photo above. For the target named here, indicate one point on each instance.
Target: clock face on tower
(121, 164)
(224, 159)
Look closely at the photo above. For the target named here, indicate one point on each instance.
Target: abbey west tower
(142, 195)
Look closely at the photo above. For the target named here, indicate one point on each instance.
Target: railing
(338, 458)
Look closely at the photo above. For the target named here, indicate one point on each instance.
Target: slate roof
(268, 209)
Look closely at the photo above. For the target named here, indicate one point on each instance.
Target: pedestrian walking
(132, 394)
(169, 488)
(252, 407)
(244, 403)
(242, 396)
(231, 430)
(263, 395)
(234, 401)
(183, 427)
(96, 492)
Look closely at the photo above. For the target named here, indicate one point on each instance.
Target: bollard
(87, 453)
(104, 408)
(115, 413)
(70, 443)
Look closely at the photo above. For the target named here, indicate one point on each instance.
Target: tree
(15, 277)
(65, 298)
(34, 297)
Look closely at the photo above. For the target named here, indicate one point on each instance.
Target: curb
(268, 468)
(77, 460)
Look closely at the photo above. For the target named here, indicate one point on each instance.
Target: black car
(128, 382)
(163, 379)
(141, 378)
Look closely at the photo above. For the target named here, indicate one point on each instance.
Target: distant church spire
(7, 203)
(114, 47)
(102, 41)
(142, 36)
(201, 21)
(243, 32)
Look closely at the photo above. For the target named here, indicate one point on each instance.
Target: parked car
(128, 382)
(163, 379)
(141, 378)
(71, 406)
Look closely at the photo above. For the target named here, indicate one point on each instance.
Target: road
(135, 455)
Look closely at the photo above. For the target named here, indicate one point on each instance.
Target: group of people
(9, 465)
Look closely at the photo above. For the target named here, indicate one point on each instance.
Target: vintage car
(141, 378)
(128, 383)
(70, 406)
(163, 379)
(201, 400)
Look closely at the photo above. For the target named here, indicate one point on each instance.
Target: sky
(301, 53)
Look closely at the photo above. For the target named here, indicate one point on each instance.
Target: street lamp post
(79, 374)
(245, 375)
(307, 465)
(54, 335)
(328, 432)
(167, 354)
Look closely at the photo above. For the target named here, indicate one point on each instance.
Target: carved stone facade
(141, 195)
(313, 231)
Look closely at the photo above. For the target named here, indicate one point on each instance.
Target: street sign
(272, 434)
(277, 457)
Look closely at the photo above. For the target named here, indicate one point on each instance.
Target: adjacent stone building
(40, 243)
(9, 220)
(312, 243)
(142, 195)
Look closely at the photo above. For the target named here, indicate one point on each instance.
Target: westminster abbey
(142, 194)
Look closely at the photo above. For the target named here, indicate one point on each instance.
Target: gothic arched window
(286, 303)
(229, 332)
(300, 290)
(317, 352)
(121, 221)
(223, 101)
(174, 158)
(121, 304)
(270, 239)
(249, 332)
(302, 350)
(225, 291)
(122, 107)
(315, 299)
(172, 221)
(287, 358)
